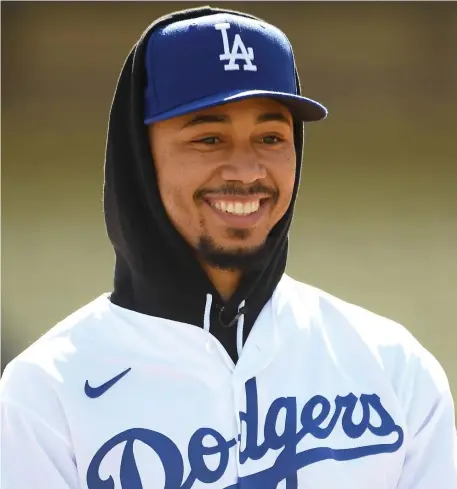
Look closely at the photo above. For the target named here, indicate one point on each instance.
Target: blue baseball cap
(211, 60)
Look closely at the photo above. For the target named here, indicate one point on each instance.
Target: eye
(210, 140)
(271, 140)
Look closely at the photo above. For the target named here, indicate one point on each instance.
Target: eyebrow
(224, 119)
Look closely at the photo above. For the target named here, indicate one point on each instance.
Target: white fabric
(240, 330)
(207, 317)
(325, 395)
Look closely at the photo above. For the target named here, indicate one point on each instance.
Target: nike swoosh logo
(94, 392)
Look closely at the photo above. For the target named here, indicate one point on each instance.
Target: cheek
(175, 198)
(177, 193)
(285, 180)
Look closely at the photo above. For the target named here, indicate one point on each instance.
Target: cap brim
(302, 108)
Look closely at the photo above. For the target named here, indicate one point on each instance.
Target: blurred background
(376, 222)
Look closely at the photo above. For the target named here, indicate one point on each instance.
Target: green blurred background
(376, 222)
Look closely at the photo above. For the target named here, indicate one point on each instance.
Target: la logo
(238, 52)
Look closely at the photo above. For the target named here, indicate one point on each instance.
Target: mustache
(231, 189)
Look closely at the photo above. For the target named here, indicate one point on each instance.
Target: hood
(156, 272)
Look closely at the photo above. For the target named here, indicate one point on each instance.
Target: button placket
(238, 391)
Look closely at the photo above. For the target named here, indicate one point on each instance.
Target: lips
(239, 211)
(236, 207)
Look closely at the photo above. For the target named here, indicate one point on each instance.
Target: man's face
(226, 176)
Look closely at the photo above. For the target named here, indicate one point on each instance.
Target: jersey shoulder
(334, 314)
(39, 367)
(350, 327)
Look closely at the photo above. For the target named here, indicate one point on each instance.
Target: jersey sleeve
(33, 454)
(36, 446)
(431, 457)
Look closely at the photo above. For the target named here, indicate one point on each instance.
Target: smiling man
(226, 177)
(207, 366)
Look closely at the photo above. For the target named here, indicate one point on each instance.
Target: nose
(244, 168)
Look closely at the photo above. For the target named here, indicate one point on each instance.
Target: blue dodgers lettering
(199, 470)
(314, 420)
(169, 455)
(289, 462)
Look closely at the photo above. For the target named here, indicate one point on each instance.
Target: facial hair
(234, 259)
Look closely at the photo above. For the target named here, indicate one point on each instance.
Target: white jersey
(325, 395)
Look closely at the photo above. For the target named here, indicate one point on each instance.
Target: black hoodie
(156, 272)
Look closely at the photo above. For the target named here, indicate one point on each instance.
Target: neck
(225, 281)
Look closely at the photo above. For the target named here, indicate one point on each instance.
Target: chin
(240, 256)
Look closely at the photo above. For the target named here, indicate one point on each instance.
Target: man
(207, 366)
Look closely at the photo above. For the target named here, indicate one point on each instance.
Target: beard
(240, 258)
(234, 259)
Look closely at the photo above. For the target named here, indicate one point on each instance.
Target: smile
(236, 207)
(239, 212)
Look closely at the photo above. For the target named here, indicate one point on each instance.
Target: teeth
(238, 208)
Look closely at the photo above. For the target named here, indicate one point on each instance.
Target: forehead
(257, 109)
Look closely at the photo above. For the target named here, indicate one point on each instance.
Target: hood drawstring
(239, 329)
(207, 316)
(238, 318)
